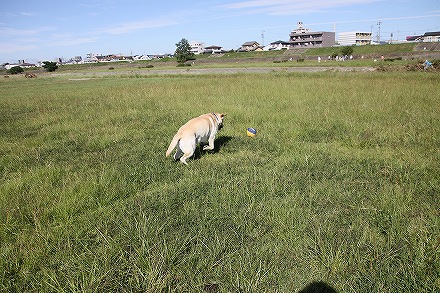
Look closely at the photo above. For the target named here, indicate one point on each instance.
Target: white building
(214, 50)
(431, 37)
(427, 37)
(197, 47)
(141, 57)
(92, 57)
(354, 38)
(279, 45)
(21, 63)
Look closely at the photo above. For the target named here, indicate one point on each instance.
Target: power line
(378, 34)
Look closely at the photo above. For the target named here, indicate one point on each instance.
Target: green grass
(365, 50)
(257, 59)
(340, 185)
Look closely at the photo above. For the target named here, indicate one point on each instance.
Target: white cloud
(24, 32)
(129, 27)
(27, 13)
(71, 41)
(258, 3)
(285, 7)
(173, 18)
(7, 48)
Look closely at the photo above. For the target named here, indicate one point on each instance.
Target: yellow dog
(197, 130)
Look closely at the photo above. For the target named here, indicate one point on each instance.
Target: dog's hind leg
(178, 153)
(184, 157)
(187, 147)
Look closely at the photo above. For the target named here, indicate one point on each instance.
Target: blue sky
(37, 30)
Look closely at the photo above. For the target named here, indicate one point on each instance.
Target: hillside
(396, 56)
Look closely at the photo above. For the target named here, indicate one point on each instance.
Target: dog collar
(216, 118)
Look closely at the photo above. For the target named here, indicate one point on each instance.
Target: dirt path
(216, 71)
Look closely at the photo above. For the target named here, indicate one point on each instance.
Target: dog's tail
(172, 145)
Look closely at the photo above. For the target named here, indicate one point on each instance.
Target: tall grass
(340, 186)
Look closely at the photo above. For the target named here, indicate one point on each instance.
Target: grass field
(397, 57)
(339, 189)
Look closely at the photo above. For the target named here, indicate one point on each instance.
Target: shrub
(436, 63)
(50, 66)
(15, 70)
(392, 59)
(347, 50)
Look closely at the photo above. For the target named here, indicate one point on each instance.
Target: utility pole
(378, 35)
(262, 38)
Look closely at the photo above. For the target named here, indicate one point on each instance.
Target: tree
(347, 51)
(183, 51)
(50, 66)
(15, 70)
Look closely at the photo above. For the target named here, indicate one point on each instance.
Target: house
(427, 37)
(249, 46)
(197, 47)
(74, 60)
(141, 57)
(112, 58)
(21, 63)
(354, 38)
(214, 50)
(303, 37)
(161, 56)
(92, 57)
(106, 58)
(278, 45)
(414, 38)
(431, 37)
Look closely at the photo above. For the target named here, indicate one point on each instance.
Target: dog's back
(197, 130)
